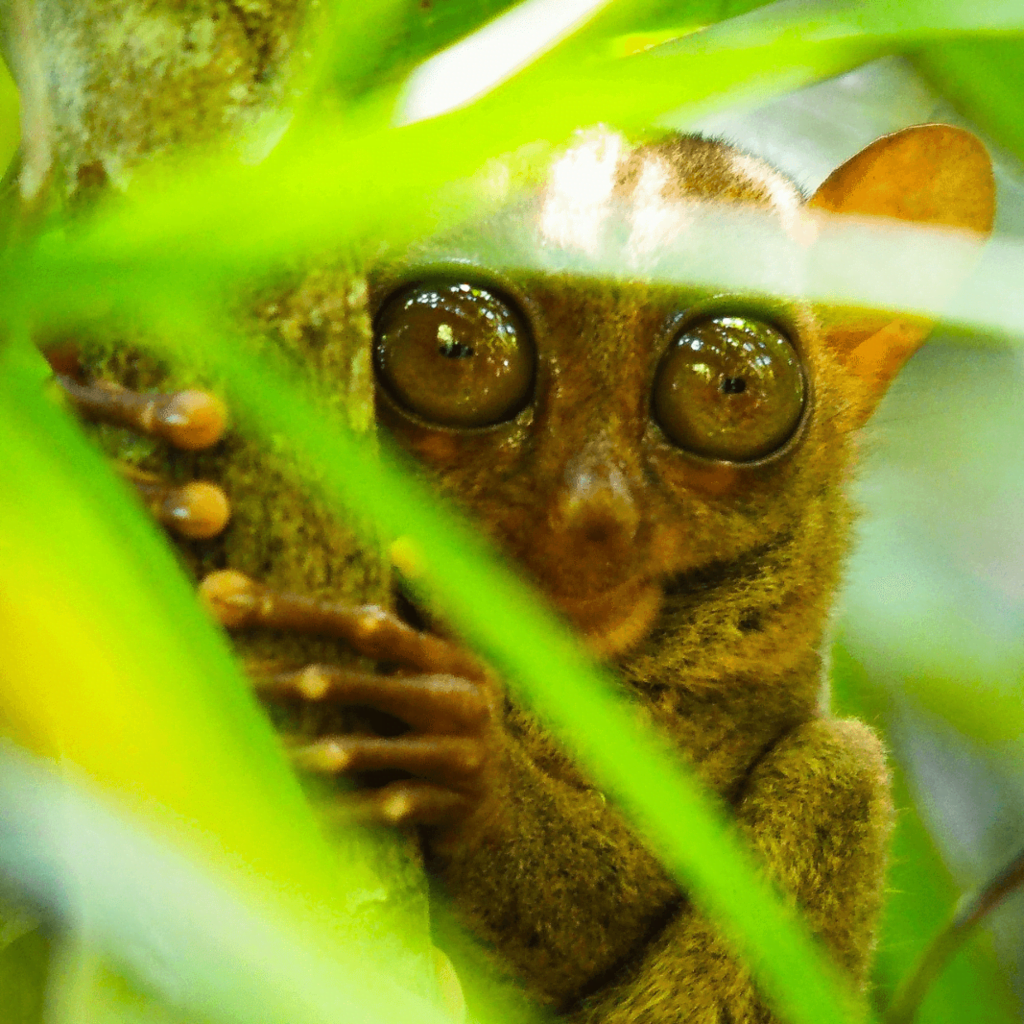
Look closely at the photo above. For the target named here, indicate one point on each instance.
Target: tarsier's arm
(556, 881)
(534, 859)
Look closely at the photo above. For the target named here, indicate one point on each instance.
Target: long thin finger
(446, 760)
(188, 419)
(400, 803)
(239, 602)
(435, 703)
(198, 509)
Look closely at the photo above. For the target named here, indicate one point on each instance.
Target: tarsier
(668, 468)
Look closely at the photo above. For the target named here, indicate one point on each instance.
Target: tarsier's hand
(440, 692)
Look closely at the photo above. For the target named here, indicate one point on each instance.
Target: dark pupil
(454, 349)
(734, 386)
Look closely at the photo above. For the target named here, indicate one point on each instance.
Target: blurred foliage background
(154, 785)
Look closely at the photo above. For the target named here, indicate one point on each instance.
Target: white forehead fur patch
(580, 185)
(655, 213)
(609, 204)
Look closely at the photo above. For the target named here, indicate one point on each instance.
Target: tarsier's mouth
(609, 623)
(614, 620)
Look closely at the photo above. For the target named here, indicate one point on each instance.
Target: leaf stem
(971, 910)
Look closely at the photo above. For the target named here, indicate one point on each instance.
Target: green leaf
(424, 28)
(985, 79)
(23, 968)
(10, 128)
(152, 930)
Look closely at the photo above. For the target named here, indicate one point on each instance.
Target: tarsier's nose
(589, 546)
(596, 508)
(597, 504)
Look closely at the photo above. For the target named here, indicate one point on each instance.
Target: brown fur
(584, 492)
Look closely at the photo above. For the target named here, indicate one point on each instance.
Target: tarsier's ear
(930, 174)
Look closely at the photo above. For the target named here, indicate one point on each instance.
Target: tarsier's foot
(440, 692)
(197, 510)
(190, 420)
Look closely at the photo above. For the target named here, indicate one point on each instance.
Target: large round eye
(454, 354)
(729, 388)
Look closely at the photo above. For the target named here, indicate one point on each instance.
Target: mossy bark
(107, 85)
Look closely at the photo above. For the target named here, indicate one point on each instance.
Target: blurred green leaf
(10, 128)
(349, 184)
(148, 926)
(917, 642)
(985, 79)
(423, 28)
(140, 690)
(754, 56)
(849, 261)
(23, 965)
(352, 38)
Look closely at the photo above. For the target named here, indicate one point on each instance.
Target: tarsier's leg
(817, 810)
(191, 420)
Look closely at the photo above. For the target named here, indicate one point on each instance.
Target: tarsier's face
(613, 436)
(633, 443)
